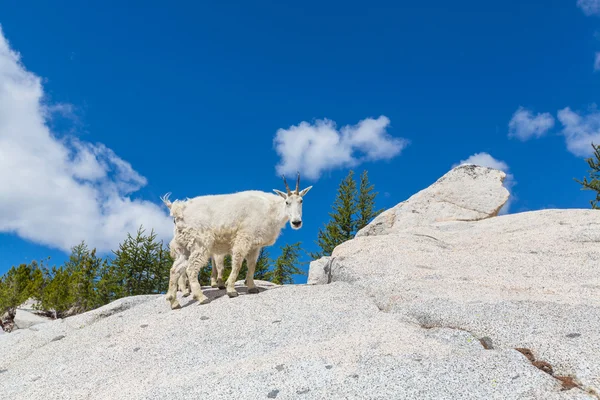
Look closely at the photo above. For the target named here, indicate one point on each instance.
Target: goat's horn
(287, 188)
(298, 183)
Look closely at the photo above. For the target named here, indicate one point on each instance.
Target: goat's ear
(304, 191)
(279, 192)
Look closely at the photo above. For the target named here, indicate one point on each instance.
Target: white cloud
(314, 148)
(59, 191)
(523, 125)
(486, 160)
(589, 7)
(580, 130)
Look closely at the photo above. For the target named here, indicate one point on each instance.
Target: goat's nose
(296, 223)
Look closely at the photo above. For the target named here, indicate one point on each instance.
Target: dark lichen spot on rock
(573, 335)
(329, 366)
(303, 391)
(273, 393)
(279, 367)
(110, 346)
(567, 382)
(3, 371)
(544, 366)
(56, 339)
(136, 349)
(486, 342)
(526, 352)
(515, 377)
(204, 318)
(276, 321)
(144, 326)
(355, 376)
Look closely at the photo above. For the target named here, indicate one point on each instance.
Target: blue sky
(105, 107)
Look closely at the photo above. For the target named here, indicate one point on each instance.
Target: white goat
(239, 224)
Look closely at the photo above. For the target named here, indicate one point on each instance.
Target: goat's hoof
(253, 290)
(222, 287)
(186, 294)
(175, 306)
(206, 300)
(233, 294)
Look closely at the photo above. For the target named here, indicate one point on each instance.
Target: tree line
(141, 263)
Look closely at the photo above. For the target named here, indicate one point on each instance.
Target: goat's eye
(300, 201)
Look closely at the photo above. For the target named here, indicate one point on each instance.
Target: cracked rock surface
(430, 311)
(330, 341)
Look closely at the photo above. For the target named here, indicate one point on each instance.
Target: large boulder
(487, 308)
(526, 280)
(466, 193)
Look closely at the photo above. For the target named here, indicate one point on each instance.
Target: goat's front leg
(216, 277)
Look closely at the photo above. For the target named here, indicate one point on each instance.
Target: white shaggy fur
(239, 224)
(217, 264)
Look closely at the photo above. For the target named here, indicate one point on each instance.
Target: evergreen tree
(341, 227)
(285, 265)
(82, 269)
(71, 289)
(142, 264)
(594, 182)
(351, 211)
(58, 294)
(263, 264)
(108, 286)
(14, 289)
(366, 203)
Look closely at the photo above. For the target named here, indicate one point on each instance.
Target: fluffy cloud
(314, 148)
(589, 7)
(523, 125)
(486, 160)
(59, 191)
(580, 130)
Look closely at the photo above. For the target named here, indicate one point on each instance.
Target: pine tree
(351, 211)
(263, 264)
(58, 294)
(366, 203)
(594, 182)
(108, 286)
(285, 265)
(142, 264)
(82, 267)
(341, 226)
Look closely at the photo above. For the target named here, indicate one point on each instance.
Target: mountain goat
(240, 224)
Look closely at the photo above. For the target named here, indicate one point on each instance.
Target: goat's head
(293, 202)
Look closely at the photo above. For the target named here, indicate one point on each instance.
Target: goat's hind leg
(218, 265)
(251, 259)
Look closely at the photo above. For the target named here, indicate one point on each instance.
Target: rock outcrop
(427, 305)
